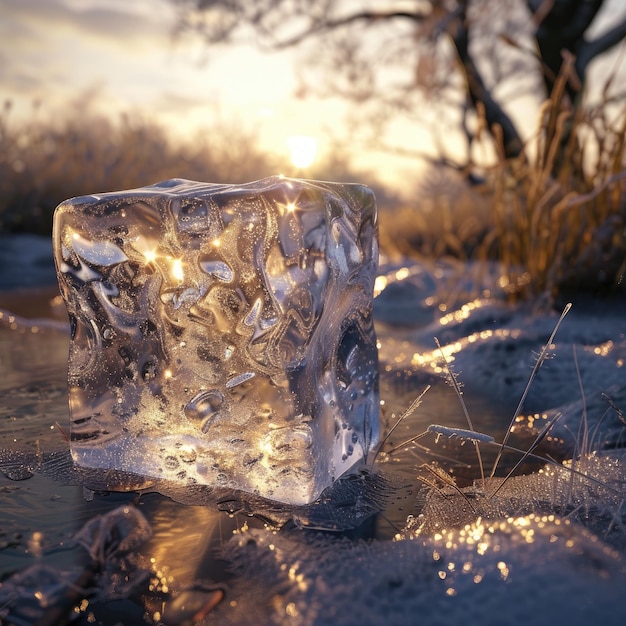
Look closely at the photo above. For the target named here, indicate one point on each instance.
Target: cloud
(135, 23)
(53, 51)
(51, 46)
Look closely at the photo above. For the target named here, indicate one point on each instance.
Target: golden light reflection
(433, 359)
(529, 420)
(486, 540)
(177, 270)
(297, 577)
(504, 570)
(603, 349)
(383, 281)
(267, 451)
(288, 206)
(402, 273)
(461, 314)
(379, 285)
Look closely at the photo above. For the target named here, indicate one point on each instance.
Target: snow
(545, 547)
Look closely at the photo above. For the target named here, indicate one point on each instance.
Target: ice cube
(223, 334)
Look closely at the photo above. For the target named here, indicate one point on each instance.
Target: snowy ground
(547, 547)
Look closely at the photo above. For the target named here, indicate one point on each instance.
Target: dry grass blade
(538, 363)
(441, 475)
(402, 417)
(540, 437)
(618, 411)
(457, 389)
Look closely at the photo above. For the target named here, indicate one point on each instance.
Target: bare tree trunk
(565, 52)
(560, 26)
(479, 94)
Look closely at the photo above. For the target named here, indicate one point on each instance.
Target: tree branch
(363, 16)
(567, 18)
(560, 25)
(591, 49)
(478, 92)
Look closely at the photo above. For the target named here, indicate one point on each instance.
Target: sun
(302, 150)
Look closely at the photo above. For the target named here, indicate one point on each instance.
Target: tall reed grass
(47, 160)
(554, 217)
(559, 209)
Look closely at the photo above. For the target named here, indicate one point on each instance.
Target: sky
(120, 56)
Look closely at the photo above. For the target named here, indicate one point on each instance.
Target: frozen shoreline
(534, 564)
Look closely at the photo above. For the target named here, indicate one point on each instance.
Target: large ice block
(222, 334)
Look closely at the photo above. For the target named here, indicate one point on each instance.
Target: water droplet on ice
(221, 479)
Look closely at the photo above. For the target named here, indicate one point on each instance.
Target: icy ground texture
(222, 334)
(492, 348)
(536, 570)
(549, 548)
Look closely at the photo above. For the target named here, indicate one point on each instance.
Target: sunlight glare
(302, 149)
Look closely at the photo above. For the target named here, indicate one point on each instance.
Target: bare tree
(393, 56)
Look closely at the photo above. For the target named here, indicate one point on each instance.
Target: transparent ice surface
(222, 334)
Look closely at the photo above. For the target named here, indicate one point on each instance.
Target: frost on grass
(590, 491)
(460, 433)
(542, 548)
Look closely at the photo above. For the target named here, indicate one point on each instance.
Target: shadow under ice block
(223, 334)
